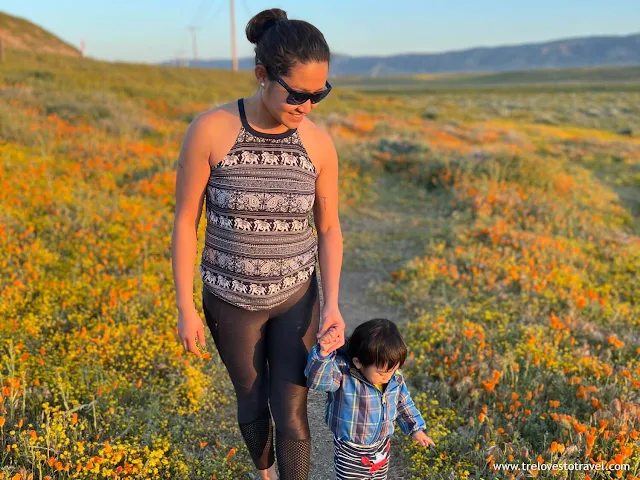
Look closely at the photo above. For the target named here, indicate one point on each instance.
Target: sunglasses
(296, 97)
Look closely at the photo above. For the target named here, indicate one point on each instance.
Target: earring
(262, 84)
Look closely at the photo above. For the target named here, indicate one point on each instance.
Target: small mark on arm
(324, 202)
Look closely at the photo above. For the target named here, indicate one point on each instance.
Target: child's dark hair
(281, 42)
(377, 342)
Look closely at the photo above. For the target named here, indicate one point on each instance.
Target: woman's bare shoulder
(317, 141)
(217, 117)
(215, 130)
(315, 132)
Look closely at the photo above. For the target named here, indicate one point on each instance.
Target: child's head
(377, 349)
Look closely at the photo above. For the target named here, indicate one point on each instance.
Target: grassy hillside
(521, 294)
(22, 36)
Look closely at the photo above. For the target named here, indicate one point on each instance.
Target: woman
(262, 165)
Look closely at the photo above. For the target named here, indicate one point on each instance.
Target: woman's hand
(331, 317)
(190, 328)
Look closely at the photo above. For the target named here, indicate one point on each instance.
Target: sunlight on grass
(523, 313)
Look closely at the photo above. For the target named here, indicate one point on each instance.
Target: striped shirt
(355, 462)
(356, 410)
(259, 243)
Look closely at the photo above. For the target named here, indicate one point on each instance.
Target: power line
(215, 12)
(200, 12)
(203, 15)
(246, 8)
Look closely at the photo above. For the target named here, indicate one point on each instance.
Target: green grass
(89, 150)
(597, 79)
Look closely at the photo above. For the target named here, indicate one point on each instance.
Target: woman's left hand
(331, 317)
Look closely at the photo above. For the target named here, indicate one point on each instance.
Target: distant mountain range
(567, 53)
(21, 34)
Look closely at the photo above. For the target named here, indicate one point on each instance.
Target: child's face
(374, 373)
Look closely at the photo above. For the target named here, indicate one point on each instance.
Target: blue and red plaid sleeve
(409, 418)
(323, 373)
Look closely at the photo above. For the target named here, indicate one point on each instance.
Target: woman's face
(309, 77)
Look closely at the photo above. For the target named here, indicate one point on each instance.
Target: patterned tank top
(259, 243)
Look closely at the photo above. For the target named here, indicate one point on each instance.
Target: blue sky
(156, 30)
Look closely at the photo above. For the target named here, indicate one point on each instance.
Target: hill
(565, 53)
(21, 34)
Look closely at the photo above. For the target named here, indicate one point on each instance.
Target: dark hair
(377, 342)
(281, 42)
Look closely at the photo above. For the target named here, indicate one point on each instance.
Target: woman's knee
(290, 412)
(252, 401)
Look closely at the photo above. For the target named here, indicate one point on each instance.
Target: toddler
(366, 394)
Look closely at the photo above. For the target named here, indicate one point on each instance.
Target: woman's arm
(191, 180)
(327, 222)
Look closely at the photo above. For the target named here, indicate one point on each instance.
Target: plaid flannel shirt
(356, 410)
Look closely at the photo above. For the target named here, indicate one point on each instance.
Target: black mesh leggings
(265, 353)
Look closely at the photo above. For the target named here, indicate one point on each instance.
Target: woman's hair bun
(262, 21)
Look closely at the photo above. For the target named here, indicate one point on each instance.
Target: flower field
(524, 329)
(523, 315)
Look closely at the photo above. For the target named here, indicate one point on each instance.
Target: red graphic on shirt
(379, 460)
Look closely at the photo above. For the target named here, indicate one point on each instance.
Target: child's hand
(422, 438)
(329, 342)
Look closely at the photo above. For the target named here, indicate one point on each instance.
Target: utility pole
(179, 61)
(234, 56)
(82, 47)
(195, 46)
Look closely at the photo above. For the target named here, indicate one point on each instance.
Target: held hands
(331, 319)
(422, 438)
(330, 341)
